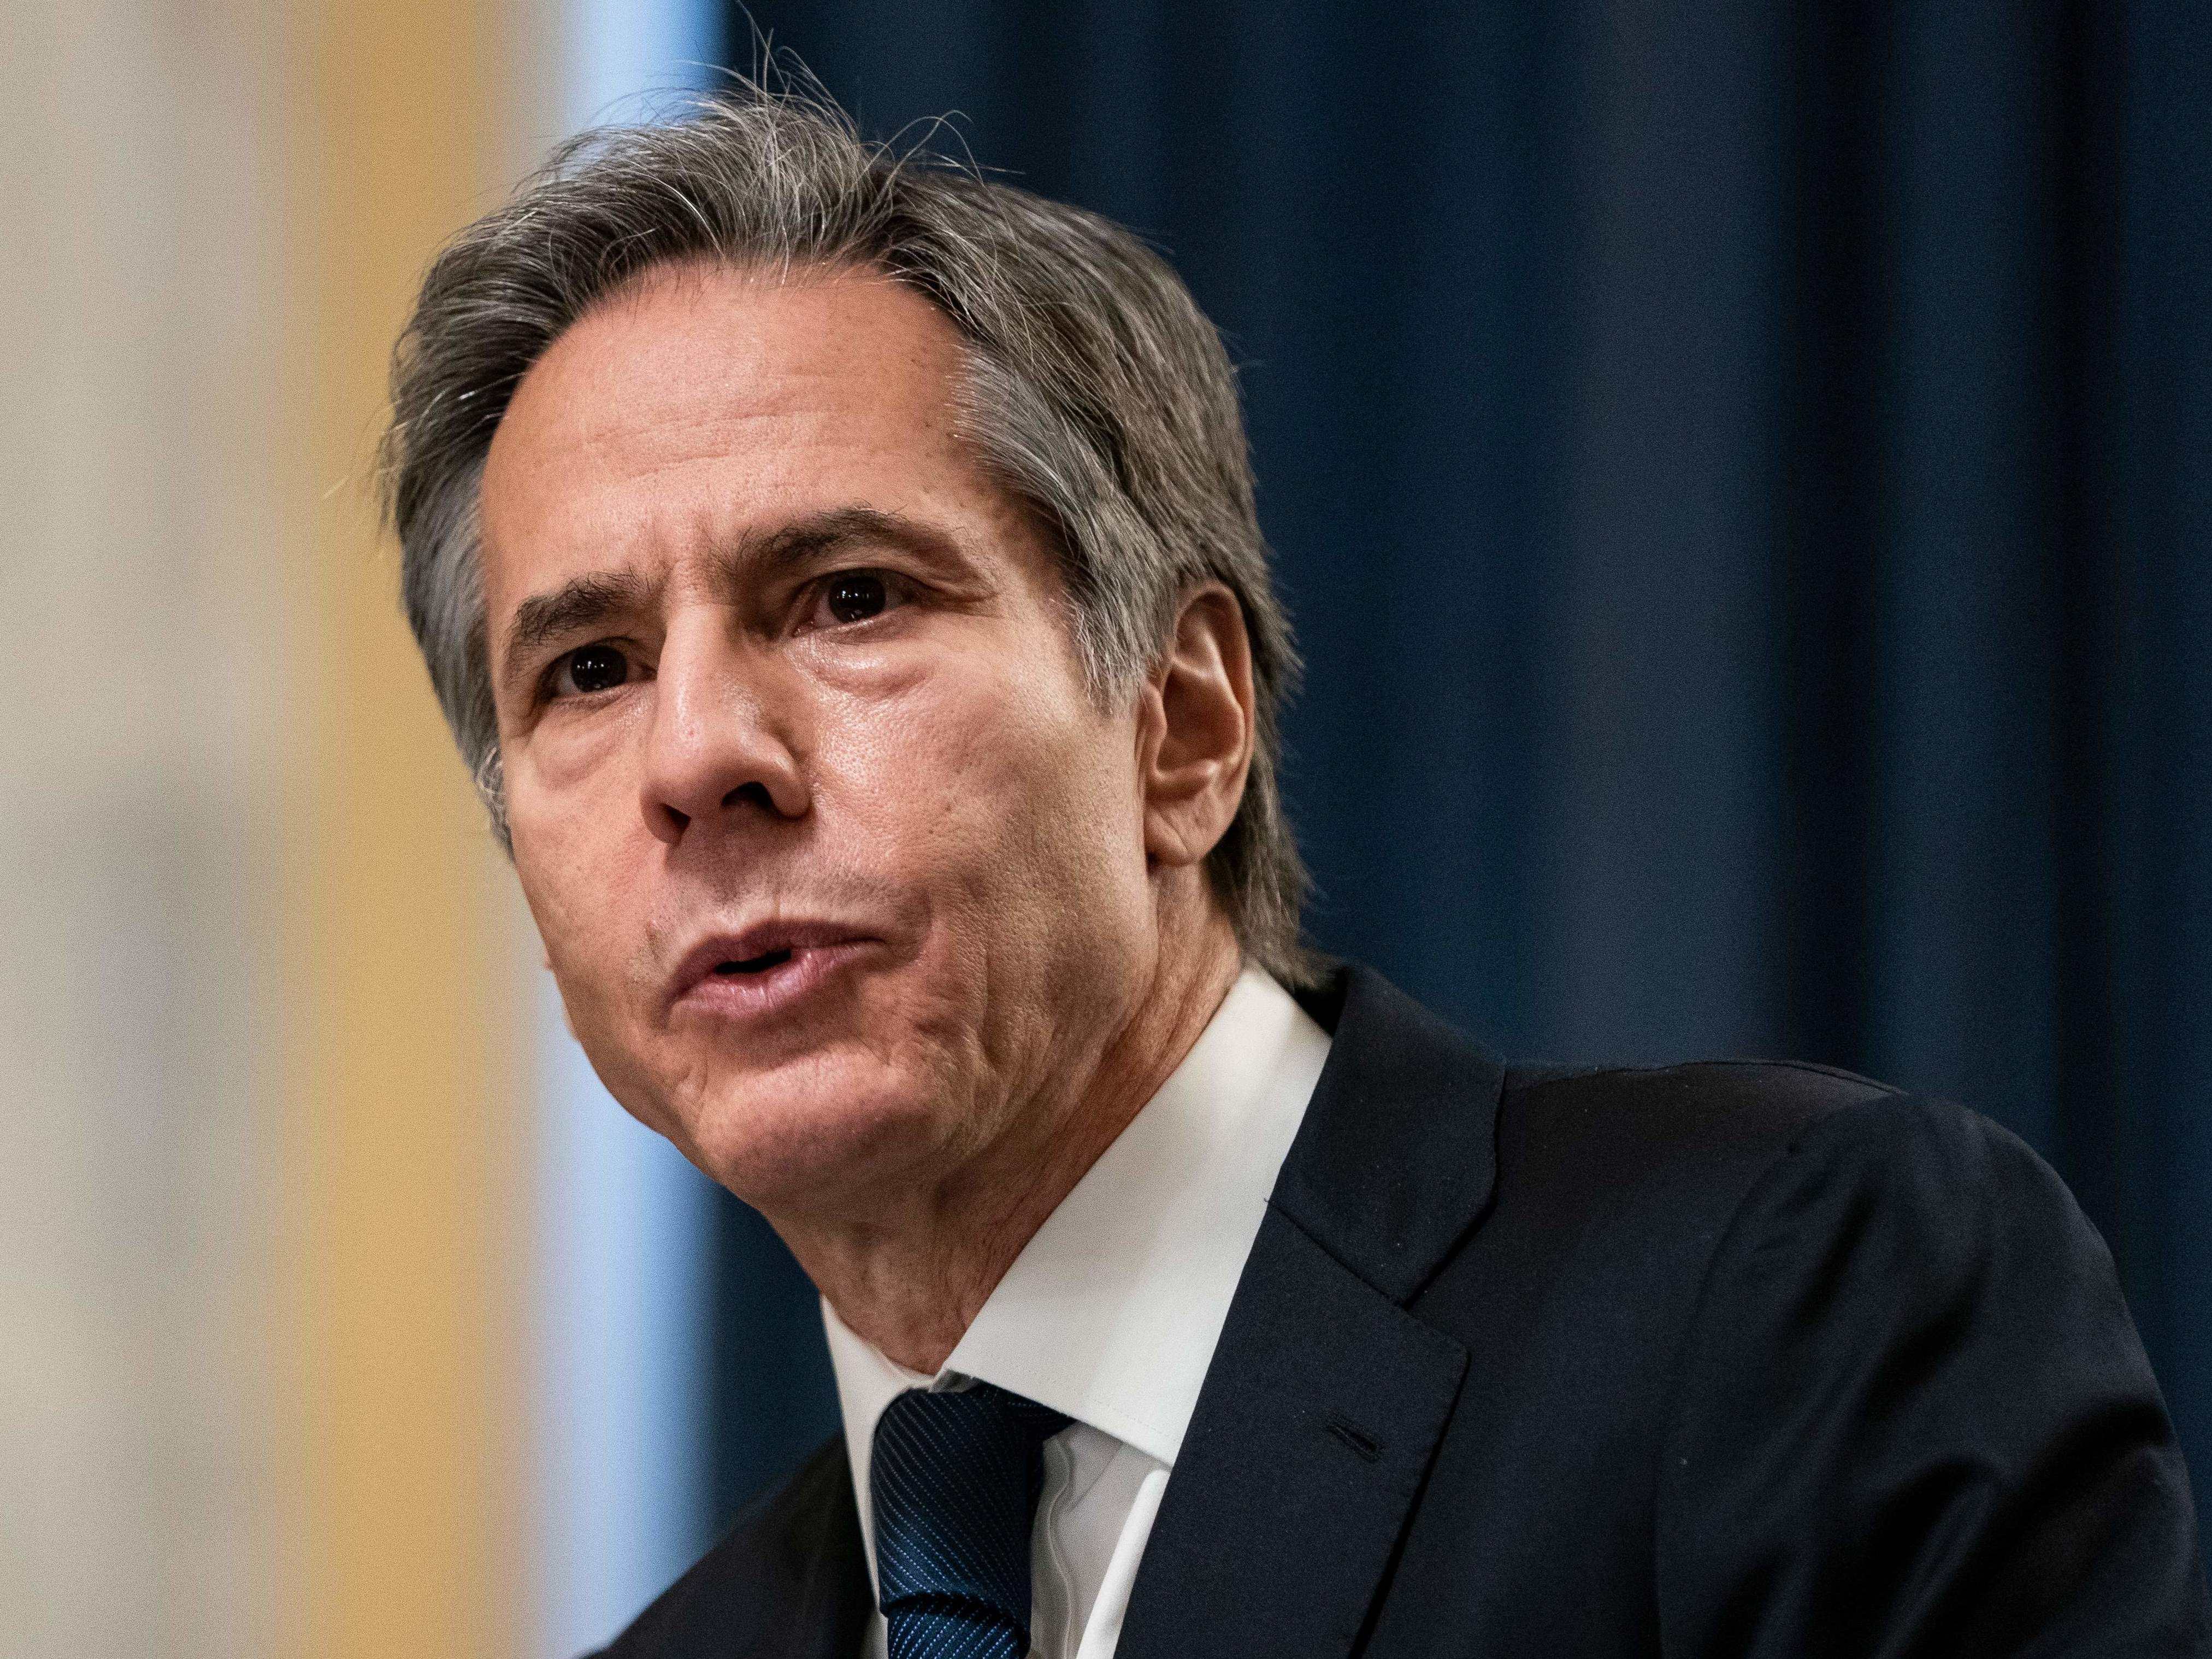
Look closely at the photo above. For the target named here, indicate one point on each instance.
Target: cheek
(573, 758)
(581, 872)
(1015, 805)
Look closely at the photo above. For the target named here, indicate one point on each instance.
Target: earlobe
(1202, 702)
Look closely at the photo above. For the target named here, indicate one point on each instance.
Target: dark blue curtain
(1743, 476)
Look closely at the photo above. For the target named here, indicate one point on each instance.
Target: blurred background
(1742, 473)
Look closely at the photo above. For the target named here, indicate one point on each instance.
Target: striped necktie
(953, 1483)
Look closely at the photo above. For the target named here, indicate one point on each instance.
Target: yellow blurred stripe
(404, 1162)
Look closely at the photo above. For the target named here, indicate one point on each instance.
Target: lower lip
(772, 990)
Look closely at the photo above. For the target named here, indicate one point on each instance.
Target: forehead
(700, 404)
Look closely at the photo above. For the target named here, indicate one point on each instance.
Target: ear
(1195, 738)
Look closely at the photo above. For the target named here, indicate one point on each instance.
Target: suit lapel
(1326, 1398)
(788, 1583)
(835, 1595)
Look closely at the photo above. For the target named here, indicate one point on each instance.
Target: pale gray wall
(139, 530)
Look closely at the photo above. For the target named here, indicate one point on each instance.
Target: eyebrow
(578, 604)
(585, 603)
(826, 533)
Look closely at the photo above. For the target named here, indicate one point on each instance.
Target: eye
(590, 668)
(854, 596)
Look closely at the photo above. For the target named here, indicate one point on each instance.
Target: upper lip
(758, 941)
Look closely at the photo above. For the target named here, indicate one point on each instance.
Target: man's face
(838, 866)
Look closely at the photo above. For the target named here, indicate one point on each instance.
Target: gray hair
(1096, 392)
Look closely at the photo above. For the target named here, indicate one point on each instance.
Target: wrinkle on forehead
(720, 370)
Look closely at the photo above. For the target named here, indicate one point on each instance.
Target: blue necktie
(953, 1482)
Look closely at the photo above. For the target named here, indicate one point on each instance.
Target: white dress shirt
(1111, 1312)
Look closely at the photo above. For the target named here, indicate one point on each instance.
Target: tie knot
(953, 1484)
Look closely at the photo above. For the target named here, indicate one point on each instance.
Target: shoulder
(1614, 1191)
(788, 1578)
(1722, 1156)
(1634, 1201)
(1720, 1107)
(1755, 1152)
(1666, 1149)
(1911, 1217)
(1911, 1380)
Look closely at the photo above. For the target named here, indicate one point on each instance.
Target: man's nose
(723, 742)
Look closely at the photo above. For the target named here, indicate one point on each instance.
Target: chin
(798, 1133)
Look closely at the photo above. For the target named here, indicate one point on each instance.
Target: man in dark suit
(842, 574)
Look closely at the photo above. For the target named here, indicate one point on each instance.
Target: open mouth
(764, 969)
(759, 964)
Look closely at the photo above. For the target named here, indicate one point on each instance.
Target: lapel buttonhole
(1368, 1447)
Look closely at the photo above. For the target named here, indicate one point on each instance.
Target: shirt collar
(1111, 1312)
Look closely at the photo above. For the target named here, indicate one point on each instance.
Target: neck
(912, 1279)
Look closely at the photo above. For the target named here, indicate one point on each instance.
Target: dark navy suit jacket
(1736, 1359)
